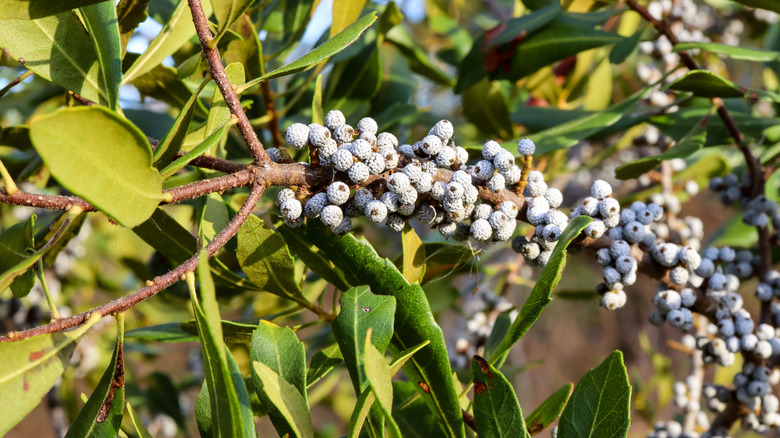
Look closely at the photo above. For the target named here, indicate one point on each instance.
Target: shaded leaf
(320, 53)
(418, 60)
(226, 407)
(162, 83)
(322, 362)
(703, 83)
(378, 377)
(549, 410)
(313, 258)
(625, 48)
(497, 412)
(265, 259)
(220, 114)
(286, 398)
(30, 368)
(227, 12)
(414, 418)
(171, 144)
(138, 425)
(600, 403)
(486, 106)
(81, 147)
(362, 311)
(31, 9)
(232, 332)
(429, 368)
(101, 416)
(209, 142)
(688, 145)
(202, 404)
(771, 5)
(177, 31)
(168, 332)
(101, 22)
(16, 244)
(733, 52)
(130, 13)
(540, 295)
(38, 43)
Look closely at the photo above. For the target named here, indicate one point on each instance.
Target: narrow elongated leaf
(413, 255)
(322, 362)
(138, 425)
(15, 242)
(213, 217)
(279, 349)
(171, 144)
(219, 114)
(486, 106)
(600, 403)
(625, 48)
(317, 113)
(497, 412)
(286, 399)
(30, 368)
(418, 60)
(265, 259)
(412, 415)
(378, 377)
(402, 357)
(168, 332)
(703, 83)
(321, 52)
(344, 14)
(32, 9)
(101, 22)
(362, 311)
(554, 43)
(232, 332)
(40, 45)
(226, 410)
(101, 416)
(313, 258)
(771, 5)
(364, 403)
(162, 83)
(130, 13)
(689, 144)
(429, 368)
(227, 12)
(204, 146)
(540, 295)
(203, 416)
(527, 24)
(177, 31)
(733, 52)
(81, 147)
(549, 410)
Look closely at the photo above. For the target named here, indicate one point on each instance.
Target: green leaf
(322, 362)
(213, 217)
(486, 106)
(162, 83)
(344, 14)
(246, 51)
(703, 83)
(554, 43)
(227, 12)
(312, 258)
(689, 144)
(203, 402)
(413, 255)
(209, 142)
(101, 22)
(412, 415)
(16, 243)
(362, 311)
(540, 295)
(102, 415)
(570, 133)
(318, 115)
(168, 332)
(220, 114)
(226, 407)
(586, 19)
(770, 5)
(418, 60)
(40, 44)
(130, 13)
(171, 144)
(429, 368)
(356, 79)
(82, 146)
(286, 399)
(364, 403)
(265, 259)
(623, 49)
(733, 52)
(138, 425)
(600, 403)
(279, 349)
(320, 53)
(378, 377)
(232, 332)
(497, 412)
(402, 357)
(176, 32)
(30, 368)
(526, 25)
(549, 410)
(32, 9)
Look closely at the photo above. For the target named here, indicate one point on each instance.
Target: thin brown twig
(217, 72)
(15, 82)
(156, 285)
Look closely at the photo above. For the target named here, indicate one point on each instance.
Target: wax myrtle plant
(293, 208)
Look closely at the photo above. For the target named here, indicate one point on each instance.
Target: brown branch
(15, 82)
(217, 72)
(156, 285)
(270, 106)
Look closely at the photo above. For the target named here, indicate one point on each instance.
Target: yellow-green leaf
(286, 398)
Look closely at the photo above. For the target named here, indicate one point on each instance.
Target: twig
(15, 82)
(225, 87)
(270, 108)
(156, 285)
